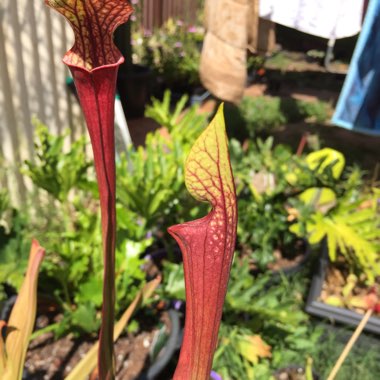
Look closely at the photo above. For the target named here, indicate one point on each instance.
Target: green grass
(363, 362)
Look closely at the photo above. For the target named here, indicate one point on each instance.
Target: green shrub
(67, 223)
(264, 113)
(261, 113)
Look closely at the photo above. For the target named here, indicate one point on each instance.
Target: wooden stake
(350, 344)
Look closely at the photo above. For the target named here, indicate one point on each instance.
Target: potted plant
(173, 52)
(340, 297)
(135, 82)
(344, 220)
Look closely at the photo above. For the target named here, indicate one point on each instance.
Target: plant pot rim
(336, 314)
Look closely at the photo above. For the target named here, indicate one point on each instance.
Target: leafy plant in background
(14, 244)
(184, 126)
(254, 306)
(151, 178)
(347, 216)
(72, 271)
(301, 199)
(263, 190)
(265, 306)
(4, 202)
(58, 171)
(264, 113)
(4, 205)
(150, 184)
(238, 354)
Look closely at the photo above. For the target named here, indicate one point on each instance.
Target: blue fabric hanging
(358, 107)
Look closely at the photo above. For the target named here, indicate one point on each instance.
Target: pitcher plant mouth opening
(93, 23)
(94, 61)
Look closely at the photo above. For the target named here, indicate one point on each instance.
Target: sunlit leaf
(324, 158)
(253, 348)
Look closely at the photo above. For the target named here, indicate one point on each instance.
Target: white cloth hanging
(331, 19)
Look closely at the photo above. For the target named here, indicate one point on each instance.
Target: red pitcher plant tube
(93, 62)
(207, 246)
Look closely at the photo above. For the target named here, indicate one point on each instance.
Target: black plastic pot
(45, 305)
(196, 94)
(199, 96)
(333, 313)
(135, 89)
(292, 368)
(171, 347)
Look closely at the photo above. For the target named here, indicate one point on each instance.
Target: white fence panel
(33, 40)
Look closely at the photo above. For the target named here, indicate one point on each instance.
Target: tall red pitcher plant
(94, 61)
(207, 246)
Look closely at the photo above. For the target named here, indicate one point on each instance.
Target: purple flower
(147, 33)
(215, 376)
(179, 22)
(192, 29)
(178, 44)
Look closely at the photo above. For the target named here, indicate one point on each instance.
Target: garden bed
(49, 359)
(53, 359)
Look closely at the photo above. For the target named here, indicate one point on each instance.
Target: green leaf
(157, 200)
(85, 318)
(91, 292)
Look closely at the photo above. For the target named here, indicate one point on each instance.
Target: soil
(49, 359)
(335, 283)
(282, 260)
